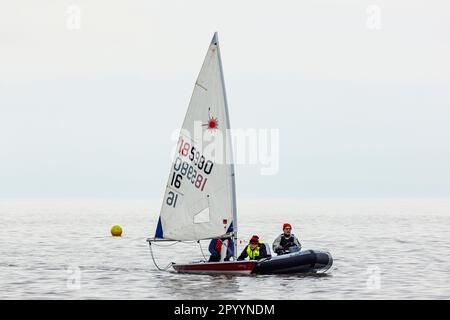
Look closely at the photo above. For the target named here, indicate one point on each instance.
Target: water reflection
(191, 286)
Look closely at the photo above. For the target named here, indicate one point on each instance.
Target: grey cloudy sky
(362, 111)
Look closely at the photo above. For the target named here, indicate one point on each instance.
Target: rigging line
(154, 262)
(165, 245)
(172, 244)
(201, 249)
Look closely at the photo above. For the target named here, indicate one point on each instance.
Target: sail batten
(199, 200)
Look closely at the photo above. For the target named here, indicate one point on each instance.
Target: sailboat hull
(227, 267)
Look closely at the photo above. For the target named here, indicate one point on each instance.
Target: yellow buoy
(116, 231)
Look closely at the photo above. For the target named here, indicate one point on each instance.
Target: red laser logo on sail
(212, 123)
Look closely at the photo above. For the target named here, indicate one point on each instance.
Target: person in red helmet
(286, 242)
(255, 250)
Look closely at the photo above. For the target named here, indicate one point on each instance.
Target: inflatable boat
(308, 261)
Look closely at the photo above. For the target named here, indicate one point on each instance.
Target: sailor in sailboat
(286, 242)
(221, 249)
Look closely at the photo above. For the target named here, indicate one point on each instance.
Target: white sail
(199, 200)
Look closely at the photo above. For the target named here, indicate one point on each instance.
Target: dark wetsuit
(283, 243)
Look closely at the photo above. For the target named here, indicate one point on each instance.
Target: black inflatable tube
(298, 262)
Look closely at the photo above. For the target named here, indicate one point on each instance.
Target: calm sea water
(382, 249)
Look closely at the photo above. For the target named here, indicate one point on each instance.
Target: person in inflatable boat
(286, 242)
(255, 250)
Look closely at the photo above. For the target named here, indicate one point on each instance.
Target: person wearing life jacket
(217, 248)
(255, 250)
(285, 241)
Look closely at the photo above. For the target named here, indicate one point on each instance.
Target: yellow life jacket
(252, 254)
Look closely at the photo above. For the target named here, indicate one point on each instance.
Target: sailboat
(200, 197)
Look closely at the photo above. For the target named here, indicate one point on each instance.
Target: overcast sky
(359, 90)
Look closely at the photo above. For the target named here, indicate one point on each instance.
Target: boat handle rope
(154, 262)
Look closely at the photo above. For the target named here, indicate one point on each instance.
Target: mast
(215, 40)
